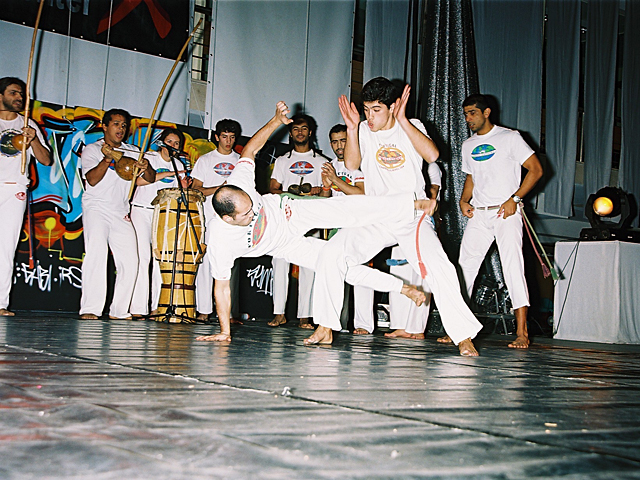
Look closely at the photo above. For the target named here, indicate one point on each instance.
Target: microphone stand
(182, 201)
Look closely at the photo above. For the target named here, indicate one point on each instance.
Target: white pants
(281, 287)
(339, 212)
(405, 314)
(105, 230)
(350, 247)
(481, 230)
(363, 306)
(13, 202)
(142, 219)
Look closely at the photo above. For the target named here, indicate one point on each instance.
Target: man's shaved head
(233, 205)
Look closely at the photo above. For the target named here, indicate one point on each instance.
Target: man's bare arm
(465, 198)
(275, 187)
(534, 173)
(256, 142)
(423, 144)
(352, 157)
(222, 294)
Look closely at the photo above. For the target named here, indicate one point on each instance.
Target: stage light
(604, 206)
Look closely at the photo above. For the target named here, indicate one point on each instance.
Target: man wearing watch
(493, 158)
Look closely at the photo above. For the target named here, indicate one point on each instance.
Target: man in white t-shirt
(493, 158)
(105, 219)
(13, 183)
(389, 149)
(210, 172)
(301, 165)
(251, 225)
(349, 182)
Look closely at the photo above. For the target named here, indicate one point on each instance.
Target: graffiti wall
(47, 274)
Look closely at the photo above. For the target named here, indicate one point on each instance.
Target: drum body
(178, 245)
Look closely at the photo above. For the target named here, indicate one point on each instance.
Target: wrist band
(326, 189)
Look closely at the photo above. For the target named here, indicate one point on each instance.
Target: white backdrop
(266, 51)
(72, 72)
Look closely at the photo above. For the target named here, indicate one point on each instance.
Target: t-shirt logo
(390, 158)
(346, 180)
(165, 179)
(259, 227)
(483, 152)
(6, 147)
(301, 168)
(224, 169)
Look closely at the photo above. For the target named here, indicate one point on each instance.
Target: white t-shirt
(390, 163)
(350, 177)
(290, 169)
(213, 169)
(266, 232)
(10, 158)
(146, 193)
(494, 160)
(111, 194)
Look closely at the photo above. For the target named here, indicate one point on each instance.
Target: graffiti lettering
(39, 275)
(262, 278)
(70, 274)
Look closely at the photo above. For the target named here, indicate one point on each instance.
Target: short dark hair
(6, 81)
(476, 100)
(223, 200)
(337, 129)
(172, 131)
(380, 89)
(228, 126)
(109, 114)
(302, 118)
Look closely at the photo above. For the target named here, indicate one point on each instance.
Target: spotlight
(601, 208)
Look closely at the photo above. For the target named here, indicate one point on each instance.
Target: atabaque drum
(178, 236)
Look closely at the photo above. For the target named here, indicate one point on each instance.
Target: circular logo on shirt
(22, 196)
(301, 168)
(224, 169)
(483, 152)
(6, 146)
(390, 157)
(346, 180)
(165, 179)
(259, 228)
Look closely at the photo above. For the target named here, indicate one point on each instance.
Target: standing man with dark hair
(390, 150)
(349, 182)
(301, 165)
(105, 219)
(13, 183)
(493, 158)
(210, 173)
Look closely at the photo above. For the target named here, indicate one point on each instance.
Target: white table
(597, 298)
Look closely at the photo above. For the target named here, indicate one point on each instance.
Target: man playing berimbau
(252, 225)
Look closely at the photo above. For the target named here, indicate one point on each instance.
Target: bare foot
(202, 317)
(322, 336)
(416, 336)
(304, 323)
(467, 349)
(520, 342)
(219, 337)
(361, 331)
(121, 318)
(445, 339)
(135, 316)
(6, 313)
(277, 320)
(236, 321)
(88, 316)
(414, 294)
(400, 333)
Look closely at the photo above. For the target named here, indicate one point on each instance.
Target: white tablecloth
(597, 298)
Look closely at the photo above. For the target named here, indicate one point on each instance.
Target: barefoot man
(249, 224)
(493, 158)
(390, 150)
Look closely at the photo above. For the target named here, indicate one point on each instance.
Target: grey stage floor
(125, 400)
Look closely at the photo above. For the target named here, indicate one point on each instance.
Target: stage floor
(126, 400)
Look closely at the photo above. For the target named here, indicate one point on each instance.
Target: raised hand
(349, 112)
(281, 113)
(400, 109)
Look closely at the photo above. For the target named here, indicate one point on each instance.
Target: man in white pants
(106, 222)
(210, 172)
(252, 225)
(13, 183)
(300, 165)
(493, 158)
(349, 182)
(389, 149)
(407, 319)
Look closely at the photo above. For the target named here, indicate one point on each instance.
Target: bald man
(251, 225)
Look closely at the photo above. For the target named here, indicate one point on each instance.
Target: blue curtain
(630, 153)
(508, 37)
(599, 90)
(561, 120)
